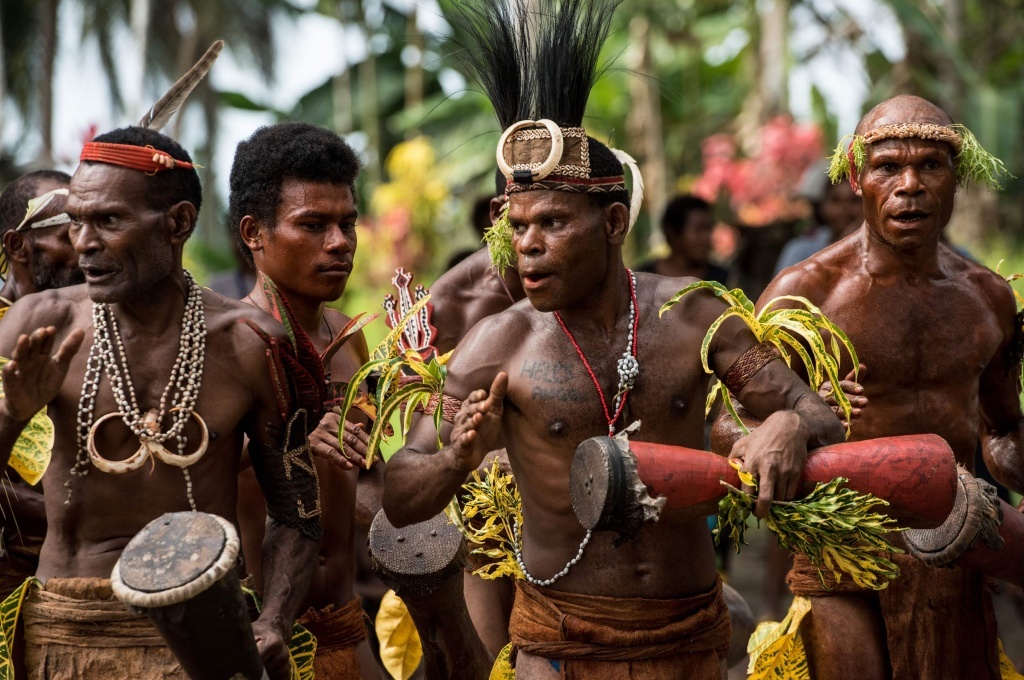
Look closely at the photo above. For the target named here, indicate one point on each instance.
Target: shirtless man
(527, 387)
(36, 249)
(37, 255)
(131, 214)
(293, 204)
(935, 331)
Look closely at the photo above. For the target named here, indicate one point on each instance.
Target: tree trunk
(139, 20)
(414, 72)
(768, 94)
(48, 34)
(3, 78)
(644, 126)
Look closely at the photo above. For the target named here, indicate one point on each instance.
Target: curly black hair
(678, 211)
(171, 186)
(285, 150)
(14, 200)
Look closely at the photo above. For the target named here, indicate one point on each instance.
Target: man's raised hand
(33, 376)
(478, 424)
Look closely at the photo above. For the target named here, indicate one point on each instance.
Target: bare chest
(923, 337)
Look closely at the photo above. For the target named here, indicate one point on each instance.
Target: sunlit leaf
(31, 453)
(400, 646)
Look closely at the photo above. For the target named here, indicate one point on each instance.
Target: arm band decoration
(289, 480)
(449, 406)
(747, 366)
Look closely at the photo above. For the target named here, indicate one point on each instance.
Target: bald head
(904, 108)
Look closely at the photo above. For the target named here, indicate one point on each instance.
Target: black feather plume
(539, 63)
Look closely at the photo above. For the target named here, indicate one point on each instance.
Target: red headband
(143, 158)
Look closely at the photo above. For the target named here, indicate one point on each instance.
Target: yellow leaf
(502, 669)
(745, 476)
(400, 647)
(31, 453)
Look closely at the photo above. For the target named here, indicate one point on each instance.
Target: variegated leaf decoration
(776, 649)
(10, 610)
(502, 669)
(31, 453)
(301, 648)
(787, 329)
(400, 646)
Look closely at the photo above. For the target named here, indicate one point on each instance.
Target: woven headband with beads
(973, 163)
(143, 158)
(534, 155)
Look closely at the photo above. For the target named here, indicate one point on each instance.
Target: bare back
(464, 295)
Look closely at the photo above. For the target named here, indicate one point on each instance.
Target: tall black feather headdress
(538, 66)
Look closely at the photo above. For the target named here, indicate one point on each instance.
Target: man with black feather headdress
(150, 419)
(587, 355)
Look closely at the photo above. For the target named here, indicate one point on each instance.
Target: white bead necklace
(629, 370)
(107, 355)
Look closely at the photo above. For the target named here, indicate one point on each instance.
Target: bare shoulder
(228, 327)
(63, 308)
(819, 274)
(356, 345)
(992, 289)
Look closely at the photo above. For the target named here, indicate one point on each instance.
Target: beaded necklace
(107, 355)
(629, 370)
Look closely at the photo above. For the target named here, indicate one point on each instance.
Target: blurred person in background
(838, 212)
(688, 223)
(480, 218)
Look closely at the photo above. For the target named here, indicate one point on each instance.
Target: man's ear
(497, 205)
(183, 216)
(252, 233)
(14, 245)
(618, 223)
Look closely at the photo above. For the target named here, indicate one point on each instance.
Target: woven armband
(747, 366)
(449, 406)
(289, 480)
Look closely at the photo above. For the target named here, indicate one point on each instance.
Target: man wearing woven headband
(908, 303)
(150, 418)
(37, 254)
(587, 355)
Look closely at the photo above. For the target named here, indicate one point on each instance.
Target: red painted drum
(616, 484)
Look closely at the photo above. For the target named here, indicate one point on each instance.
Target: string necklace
(628, 370)
(107, 355)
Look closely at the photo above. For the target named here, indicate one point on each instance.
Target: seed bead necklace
(629, 370)
(107, 355)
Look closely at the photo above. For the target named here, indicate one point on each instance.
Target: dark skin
(131, 254)
(463, 296)
(37, 257)
(470, 291)
(45, 252)
(530, 393)
(691, 247)
(308, 254)
(886, 286)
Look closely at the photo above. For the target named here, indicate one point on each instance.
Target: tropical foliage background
(686, 75)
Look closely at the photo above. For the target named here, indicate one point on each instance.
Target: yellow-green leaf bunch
(406, 381)
(835, 527)
(793, 331)
(494, 503)
(498, 238)
(31, 453)
(776, 649)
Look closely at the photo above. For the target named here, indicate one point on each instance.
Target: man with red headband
(585, 356)
(149, 418)
(940, 339)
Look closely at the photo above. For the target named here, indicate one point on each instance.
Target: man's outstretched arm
(420, 481)
(1002, 423)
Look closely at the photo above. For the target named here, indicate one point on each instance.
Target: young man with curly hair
(293, 210)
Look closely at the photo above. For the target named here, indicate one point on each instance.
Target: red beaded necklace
(623, 390)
